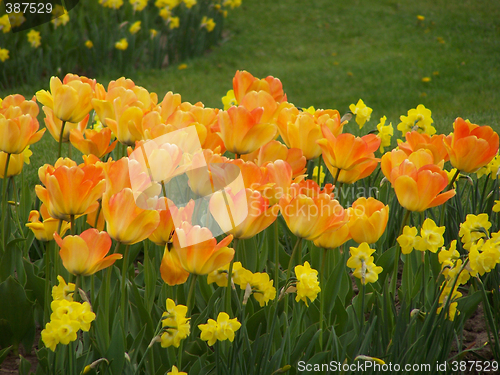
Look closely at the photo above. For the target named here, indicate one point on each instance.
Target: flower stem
(47, 282)
(276, 254)
(398, 250)
(61, 139)
(322, 298)
(318, 177)
(72, 221)
(4, 202)
(229, 280)
(76, 295)
(192, 288)
(289, 270)
(124, 277)
(449, 187)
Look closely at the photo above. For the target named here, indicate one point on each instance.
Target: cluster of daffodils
(362, 261)
(175, 325)
(67, 317)
(220, 330)
(258, 284)
(431, 237)
(307, 285)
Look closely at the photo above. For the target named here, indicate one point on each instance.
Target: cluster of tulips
(106, 35)
(172, 185)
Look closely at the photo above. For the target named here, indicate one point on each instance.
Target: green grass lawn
(331, 53)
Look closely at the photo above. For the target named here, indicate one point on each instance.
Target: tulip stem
(276, 254)
(77, 287)
(124, 277)
(163, 189)
(98, 213)
(396, 258)
(230, 280)
(443, 206)
(47, 282)
(289, 270)
(318, 177)
(322, 298)
(4, 202)
(61, 139)
(336, 177)
(192, 288)
(72, 221)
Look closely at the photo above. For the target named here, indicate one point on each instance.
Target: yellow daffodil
(175, 324)
(474, 228)
(122, 44)
(229, 100)
(4, 54)
(315, 174)
(407, 239)
(175, 371)
(153, 33)
(307, 283)
(431, 237)
(89, 44)
(207, 23)
(418, 119)
(443, 299)
(113, 4)
(167, 3)
(63, 290)
(34, 38)
(493, 168)
(61, 16)
(385, 132)
(222, 329)
(262, 288)
(483, 256)
(189, 3)
(447, 257)
(368, 272)
(135, 27)
(359, 255)
(138, 5)
(174, 23)
(362, 112)
(5, 24)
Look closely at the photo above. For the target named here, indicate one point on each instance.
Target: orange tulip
(18, 124)
(310, 212)
(471, 146)
(117, 175)
(416, 141)
(55, 125)
(392, 160)
(278, 177)
(44, 230)
(352, 155)
(171, 270)
(244, 82)
(95, 142)
(333, 238)
(367, 220)
(70, 190)
(242, 130)
(246, 214)
(418, 189)
(70, 102)
(16, 163)
(169, 216)
(126, 222)
(198, 251)
(275, 150)
(86, 254)
(302, 129)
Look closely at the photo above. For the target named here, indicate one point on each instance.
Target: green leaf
(16, 314)
(303, 341)
(116, 351)
(4, 352)
(34, 283)
(24, 366)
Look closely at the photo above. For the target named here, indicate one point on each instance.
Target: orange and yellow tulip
(367, 220)
(95, 142)
(70, 190)
(126, 222)
(352, 155)
(244, 82)
(276, 150)
(70, 101)
(302, 129)
(471, 146)
(416, 141)
(171, 270)
(392, 160)
(333, 238)
(246, 214)
(18, 124)
(310, 212)
(277, 179)
(242, 130)
(198, 251)
(44, 230)
(85, 254)
(55, 125)
(418, 189)
(169, 215)
(16, 163)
